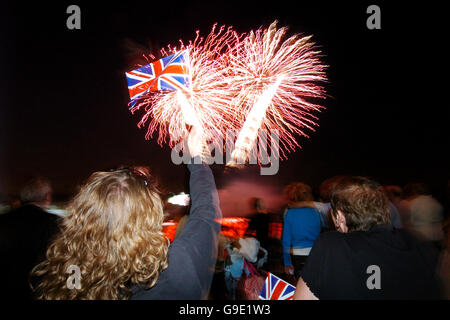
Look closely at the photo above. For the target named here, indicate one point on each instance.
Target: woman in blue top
(301, 228)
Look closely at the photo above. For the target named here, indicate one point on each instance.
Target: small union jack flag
(167, 74)
(275, 288)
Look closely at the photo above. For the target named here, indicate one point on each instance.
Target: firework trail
(207, 101)
(249, 131)
(272, 79)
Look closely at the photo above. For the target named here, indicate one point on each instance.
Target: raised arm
(193, 254)
(197, 243)
(195, 249)
(203, 192)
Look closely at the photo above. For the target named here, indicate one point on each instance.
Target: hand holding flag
(167, 74)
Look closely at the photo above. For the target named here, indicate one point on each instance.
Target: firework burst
(242, 83)
(272, 80)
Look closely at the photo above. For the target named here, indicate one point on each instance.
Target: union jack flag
(167, 74)
(275, 288)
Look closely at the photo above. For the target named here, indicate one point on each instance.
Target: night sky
(63, 93)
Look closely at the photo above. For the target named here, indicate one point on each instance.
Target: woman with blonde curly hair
(113, 236)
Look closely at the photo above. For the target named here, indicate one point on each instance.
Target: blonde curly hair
(113, 233)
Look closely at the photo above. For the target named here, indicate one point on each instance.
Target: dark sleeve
(194, 251)
(192, 255)
(203, 194)
(313, 271)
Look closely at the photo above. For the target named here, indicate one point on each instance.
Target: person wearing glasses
(112, 246)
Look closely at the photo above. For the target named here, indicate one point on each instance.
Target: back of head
(327, 186)
(298, 191)
(113, 232)
(362, 201)
(37, 190)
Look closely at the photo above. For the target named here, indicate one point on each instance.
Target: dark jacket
(25, 234)
(192, 255)
(381, 263)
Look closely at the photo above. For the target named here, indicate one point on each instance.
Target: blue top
(301, 228)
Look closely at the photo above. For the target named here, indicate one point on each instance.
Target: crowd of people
(355, 240)
(330, 241)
